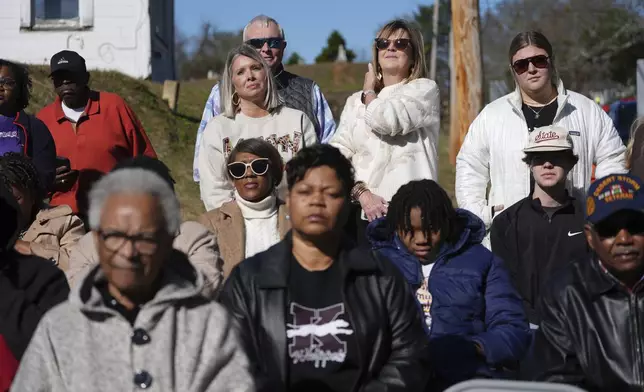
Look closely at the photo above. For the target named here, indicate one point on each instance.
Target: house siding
(119, 39)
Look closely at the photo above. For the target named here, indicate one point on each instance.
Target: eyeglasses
(143, 243)
(7, 83)
(521, 66)
(399, 44)
(273, 43)
(259, 167)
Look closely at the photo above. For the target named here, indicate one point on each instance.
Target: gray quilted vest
(297, 93)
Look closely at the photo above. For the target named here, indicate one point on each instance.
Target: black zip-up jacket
(29, 285)
(392, 345)
(531, 245)
(592, 331)
(39, 146)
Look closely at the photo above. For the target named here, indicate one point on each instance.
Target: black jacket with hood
(29, 285)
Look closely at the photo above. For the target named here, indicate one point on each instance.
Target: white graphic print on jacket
(316, 335)
(424, 296)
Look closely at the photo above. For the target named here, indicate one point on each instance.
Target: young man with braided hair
(48, 232)
(478, 328)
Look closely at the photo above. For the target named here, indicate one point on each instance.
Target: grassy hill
(173, 134)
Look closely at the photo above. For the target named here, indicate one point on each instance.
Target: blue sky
(307, 23)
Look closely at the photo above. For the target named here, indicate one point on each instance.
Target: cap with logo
(611, 194)
(67, 60)
(550, 138)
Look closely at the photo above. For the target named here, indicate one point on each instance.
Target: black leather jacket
(391, 340)
(592, 331)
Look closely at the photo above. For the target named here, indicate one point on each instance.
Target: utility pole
(467, 72)
(432, 64)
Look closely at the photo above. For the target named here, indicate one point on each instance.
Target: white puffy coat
(492, 151)
(395, 139)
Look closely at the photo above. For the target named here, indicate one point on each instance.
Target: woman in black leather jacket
(317, 313)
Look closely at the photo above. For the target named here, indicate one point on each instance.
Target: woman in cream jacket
(50, 232)
(257, 218)
(390, 130)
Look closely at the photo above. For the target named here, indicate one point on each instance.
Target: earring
(238, 99)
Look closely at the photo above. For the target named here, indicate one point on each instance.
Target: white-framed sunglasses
(258, 167)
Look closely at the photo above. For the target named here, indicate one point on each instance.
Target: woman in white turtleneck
(256, 219)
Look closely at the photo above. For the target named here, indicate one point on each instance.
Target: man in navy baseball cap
(594, 304)
(612, 194)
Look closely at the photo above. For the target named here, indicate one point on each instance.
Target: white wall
(118, 40)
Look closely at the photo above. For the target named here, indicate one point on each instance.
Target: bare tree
(595, 41)
(206, 52)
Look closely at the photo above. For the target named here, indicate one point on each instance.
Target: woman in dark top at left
(21, 132)
(317, 313)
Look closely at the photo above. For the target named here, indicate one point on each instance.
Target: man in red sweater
(93, 131)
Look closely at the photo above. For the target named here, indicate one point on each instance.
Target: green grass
(173, 134)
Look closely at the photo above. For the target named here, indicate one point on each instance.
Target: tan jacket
(54, 233)
(227, 223)
(193, 239)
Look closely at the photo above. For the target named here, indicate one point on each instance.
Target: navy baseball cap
(67, 60)
(615, 192)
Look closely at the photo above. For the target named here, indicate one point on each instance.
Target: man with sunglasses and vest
(266, 35)
(592, 310)
(492, 151)
(541, 232)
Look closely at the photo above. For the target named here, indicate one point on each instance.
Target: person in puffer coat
(475, 320)
(492, 150)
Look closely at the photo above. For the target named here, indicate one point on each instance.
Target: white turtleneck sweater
(260, 223)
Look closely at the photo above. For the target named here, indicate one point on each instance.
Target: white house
(135, 37)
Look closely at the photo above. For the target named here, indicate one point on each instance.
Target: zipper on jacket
(638, 350)
(362, 373)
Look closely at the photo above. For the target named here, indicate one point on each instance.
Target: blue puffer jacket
(473, 300)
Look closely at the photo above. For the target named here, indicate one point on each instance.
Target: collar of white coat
(562, 97)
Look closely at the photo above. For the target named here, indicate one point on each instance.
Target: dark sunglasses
(259, 167)
(273, 43)
(631, 221)
(399, 44)
(7, 82)
(521, 66)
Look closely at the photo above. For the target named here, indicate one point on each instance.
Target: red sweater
(107, 133)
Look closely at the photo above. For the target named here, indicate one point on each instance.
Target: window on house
(56, 9)
(56, 14)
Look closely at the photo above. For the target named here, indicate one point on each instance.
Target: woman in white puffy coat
(493, 148)
(389, 130)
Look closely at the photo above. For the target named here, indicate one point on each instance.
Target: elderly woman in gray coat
(138, 319)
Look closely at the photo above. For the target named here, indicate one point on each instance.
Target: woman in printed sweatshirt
(138, 320)
(251, 108)
(389, 130)
(257, 218)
